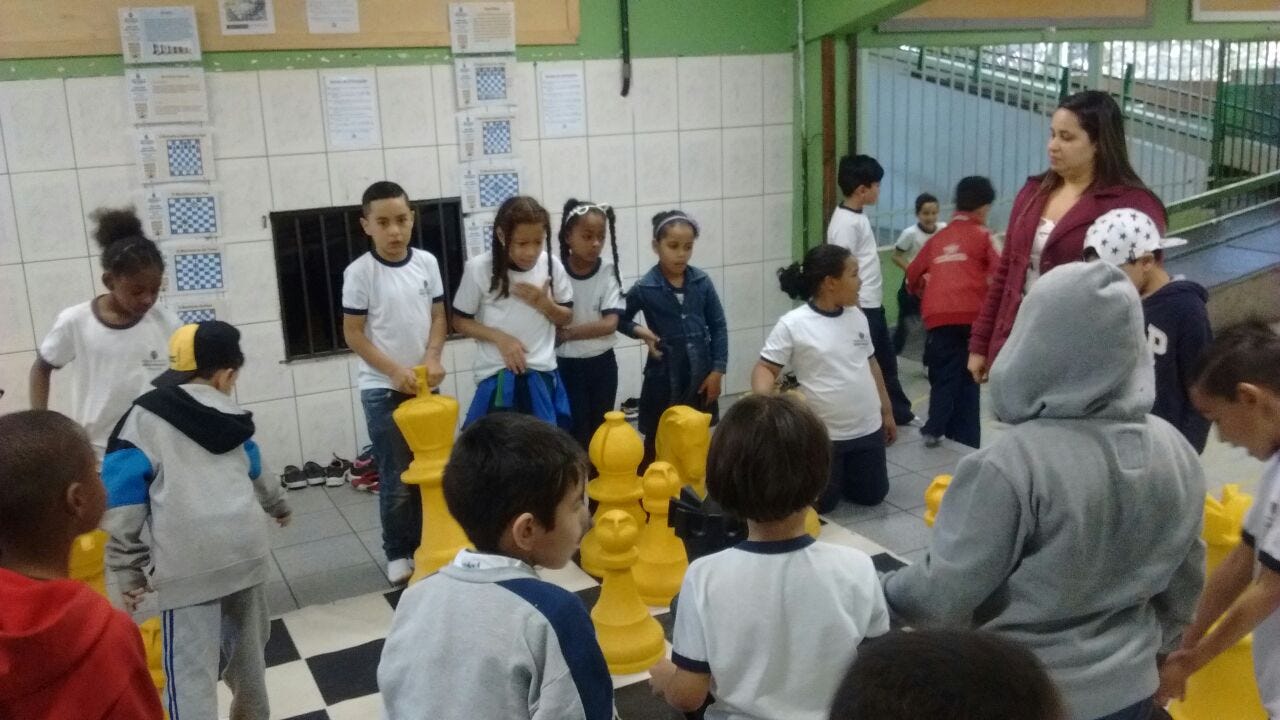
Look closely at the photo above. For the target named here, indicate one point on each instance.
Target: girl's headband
(681, 217)
(585, 208)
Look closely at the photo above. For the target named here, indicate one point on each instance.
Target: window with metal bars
(314, 246)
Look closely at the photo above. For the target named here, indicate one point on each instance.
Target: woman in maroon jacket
(1089, 173)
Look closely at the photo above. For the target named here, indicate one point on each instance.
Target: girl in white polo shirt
(827, 344)
(511, 300)
(585, 354)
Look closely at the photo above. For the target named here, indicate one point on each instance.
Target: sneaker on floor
(335, 473)
(366, 483)
(915, 421)
(314, 473)
(630, 408)
(399, 571)
(931, 441)
(362, 464)
(293, 478)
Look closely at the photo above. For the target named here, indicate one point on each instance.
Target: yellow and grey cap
(209, 345)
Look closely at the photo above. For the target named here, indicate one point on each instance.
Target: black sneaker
(314, 473)
(631, 408)
(335, 473)
(293, 478)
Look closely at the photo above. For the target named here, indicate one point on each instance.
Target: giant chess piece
(933, 498)
(662, 563)
(616, 451)
(1225, 688)
(428, 423)
(630, 638)
(684, 436)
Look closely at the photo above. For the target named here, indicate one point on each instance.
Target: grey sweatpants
(234, 627)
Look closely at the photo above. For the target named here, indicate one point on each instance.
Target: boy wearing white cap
(1177, 320)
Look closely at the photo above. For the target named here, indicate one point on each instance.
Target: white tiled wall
(710, 135)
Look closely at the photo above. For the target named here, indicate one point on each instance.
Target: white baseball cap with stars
(1123, 235)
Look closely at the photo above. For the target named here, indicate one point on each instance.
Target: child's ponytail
(125, 249)
(801, 281)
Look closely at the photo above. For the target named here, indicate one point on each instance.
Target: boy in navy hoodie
(182, 464)
(1177, 321)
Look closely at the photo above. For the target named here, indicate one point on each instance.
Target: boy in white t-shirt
(859, 177)
(904, 251)
(393, 318)
(1237, 387)
(752, 617)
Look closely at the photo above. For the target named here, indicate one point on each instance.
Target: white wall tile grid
(710, 135)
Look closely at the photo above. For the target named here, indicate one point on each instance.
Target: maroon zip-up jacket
(1065, 244)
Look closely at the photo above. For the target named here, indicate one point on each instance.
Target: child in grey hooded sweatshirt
(1077, 532)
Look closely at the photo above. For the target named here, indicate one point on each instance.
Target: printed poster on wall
(160, 96)
(174, 154)
(197, 308)
(486, 134)
(484, 81)
(479, 233)
(247, 17)
(159, 35)
(483, 28)
(562, 98)
(333, 16)
(351, 110)
(485, 185)
(182, 213)
(194, 269)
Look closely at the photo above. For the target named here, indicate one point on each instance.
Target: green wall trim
(659, 28)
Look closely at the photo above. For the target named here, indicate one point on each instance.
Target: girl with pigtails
(511, 300)
(585, 353)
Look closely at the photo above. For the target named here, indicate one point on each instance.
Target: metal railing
(1199, 114)
(1214, 206)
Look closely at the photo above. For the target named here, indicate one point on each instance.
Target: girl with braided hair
(116, 343)
(585, 351)
(511, 300)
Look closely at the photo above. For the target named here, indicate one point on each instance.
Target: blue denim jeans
(400, 505)
(1138, 711)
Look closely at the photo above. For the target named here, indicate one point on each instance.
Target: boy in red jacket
(950, 275)
(64, 651)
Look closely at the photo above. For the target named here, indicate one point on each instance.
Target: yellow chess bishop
(662, 559)
(428, 423)
(616, 451)
(630, 638)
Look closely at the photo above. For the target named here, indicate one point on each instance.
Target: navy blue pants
(592, 386)
(954, 409)
(1142, 710)
(859, 472)
(908, 307)
(888, 361)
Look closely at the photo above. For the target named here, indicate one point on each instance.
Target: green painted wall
(659, 28)
(1171, 20)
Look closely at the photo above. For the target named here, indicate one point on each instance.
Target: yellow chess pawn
(933, 497)
(1225, 688)
(630, 639)
(616, 451)
(684, 435)
(428, 423)
(662, 559)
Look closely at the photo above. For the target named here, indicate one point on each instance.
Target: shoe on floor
(399, 571)
(314, 473)
(293, 478)
(931, 441)
(335, 473)
(366, 483)
(915, 421)
(362, 464)
(630, 408)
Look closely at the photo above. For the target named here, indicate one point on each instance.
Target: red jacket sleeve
(918, 267)
(980, 334)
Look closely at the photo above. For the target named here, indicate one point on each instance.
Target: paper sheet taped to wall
(480, 28)
(159, 35)
(167, 95)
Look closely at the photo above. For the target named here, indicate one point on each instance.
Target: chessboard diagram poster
(197, 308)
(178, 154)
(484, 81)
(195, 268)
(485, 185)
(183, 213)
(486, 134)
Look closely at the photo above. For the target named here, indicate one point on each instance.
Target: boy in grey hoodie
(177, 465)
(1076, 533)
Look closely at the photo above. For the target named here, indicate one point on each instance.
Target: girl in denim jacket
(686, 334)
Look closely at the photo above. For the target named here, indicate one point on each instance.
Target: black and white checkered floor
(322, 660)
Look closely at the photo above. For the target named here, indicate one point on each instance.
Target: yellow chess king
(428, 423)
(1225, 688)
(684, 436)
(662, 559)
(616, 450)
(630, 638)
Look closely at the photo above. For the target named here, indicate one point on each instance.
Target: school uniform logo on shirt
(154, 362)
(862, 340)
(426, 289)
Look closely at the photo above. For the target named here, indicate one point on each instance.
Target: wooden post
(830, 194)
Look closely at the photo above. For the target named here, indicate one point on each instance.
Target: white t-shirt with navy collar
(595, 295)
(396, 300)
(913, 239)
(851, 229)
(1262, 534)
(510, 314)
(777, 624)
(830, 354)
(112, 364)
